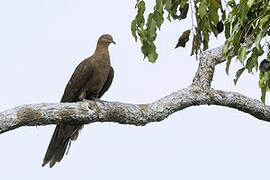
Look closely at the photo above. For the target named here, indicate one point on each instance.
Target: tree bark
(198, 93)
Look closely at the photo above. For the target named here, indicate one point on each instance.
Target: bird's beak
(113, 42)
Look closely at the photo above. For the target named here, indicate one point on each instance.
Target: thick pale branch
(208, 60)
(242, 103)
(199, 93)
(140, 114)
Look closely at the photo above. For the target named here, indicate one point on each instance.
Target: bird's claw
(86, 100)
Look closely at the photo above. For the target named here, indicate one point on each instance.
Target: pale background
(41, 42)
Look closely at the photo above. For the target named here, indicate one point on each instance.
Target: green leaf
(243, 10)
(207, 24)
(251, 63)
(238, 74)
(250, 3)
(258, 40)
(226, 48)
(263, 94)
(133, 29)
(227, 29)
(236, 34)
(183, 2)
(202, 9)
(213, 11)
(151, 29)
(149, 50)
(173, 12)
(264, 22)
(153, 56)
(242, 55)
(264, 84)
(159, 6)
(141, 7)
(228, 66)
(223, 15)
(168, 5)
(140, 17)
(158, 18)
(158, 13)
(171, 6)
(146, 48)
(205, 40)
(231, 3)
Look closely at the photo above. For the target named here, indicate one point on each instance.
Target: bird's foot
(86, 100)
(99, 100)
(94, 99)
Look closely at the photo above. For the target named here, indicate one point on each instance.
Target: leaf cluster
(246, 24)
(246, 28)
(208, 15)
(146, 30)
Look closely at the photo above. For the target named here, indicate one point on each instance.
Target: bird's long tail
(62, 136)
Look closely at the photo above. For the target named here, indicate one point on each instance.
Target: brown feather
(107, 84)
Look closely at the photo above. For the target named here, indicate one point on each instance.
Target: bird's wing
(79, 77)
(107, 84)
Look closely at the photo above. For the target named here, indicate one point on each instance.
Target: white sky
(41, 44)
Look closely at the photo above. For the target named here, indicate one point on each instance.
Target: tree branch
(208, 60)
(199, 93)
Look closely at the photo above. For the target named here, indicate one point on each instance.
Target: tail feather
(62, 136)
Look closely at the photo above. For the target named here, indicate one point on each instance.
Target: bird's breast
(101, 69)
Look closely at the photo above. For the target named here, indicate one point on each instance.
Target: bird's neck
(101, 48)
(102, 55)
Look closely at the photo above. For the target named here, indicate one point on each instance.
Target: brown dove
(90, 80)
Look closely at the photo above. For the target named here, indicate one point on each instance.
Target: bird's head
(105, 40)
